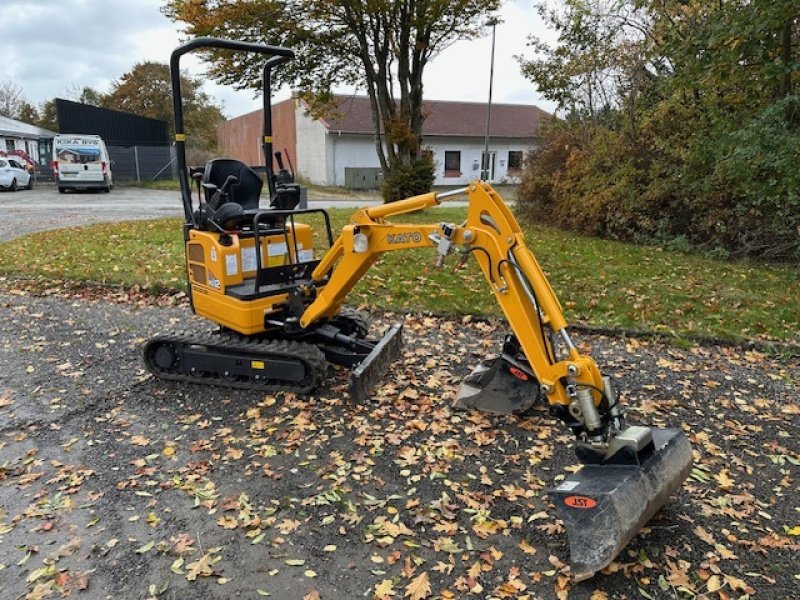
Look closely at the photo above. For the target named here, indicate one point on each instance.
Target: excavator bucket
(604, 506)
(370, 370)
(504, 385)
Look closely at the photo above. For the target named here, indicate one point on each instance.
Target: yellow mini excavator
(281, 318)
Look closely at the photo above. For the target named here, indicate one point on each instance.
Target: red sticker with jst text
(580, 502)
(519, 374)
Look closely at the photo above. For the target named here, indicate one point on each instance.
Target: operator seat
(246, 192)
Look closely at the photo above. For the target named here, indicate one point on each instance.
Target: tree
(383, 45)
(12, 99)
(48, 116)
(146, 90)
(85, 95)
(682, 123)
(28, 114)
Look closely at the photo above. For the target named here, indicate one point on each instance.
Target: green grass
(599, 282)
(315, 192)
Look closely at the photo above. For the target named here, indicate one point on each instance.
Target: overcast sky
(51, 46)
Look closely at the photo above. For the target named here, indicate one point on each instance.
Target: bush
(715, 185)
(406, 180)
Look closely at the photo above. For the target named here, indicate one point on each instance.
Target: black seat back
(246, 192)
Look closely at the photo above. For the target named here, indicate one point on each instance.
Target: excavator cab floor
(604, 506)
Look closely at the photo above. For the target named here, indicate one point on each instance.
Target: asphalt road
(43, 208)
(126, 486)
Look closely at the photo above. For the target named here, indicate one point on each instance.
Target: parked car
(81, 162)
(14, 175)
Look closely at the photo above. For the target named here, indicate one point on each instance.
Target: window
(3, 164)
(452, 163)
(515, 160)
(10, 145)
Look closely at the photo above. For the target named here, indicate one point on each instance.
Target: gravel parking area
(113, 484)
(43, 208)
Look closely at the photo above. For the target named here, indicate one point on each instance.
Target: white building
(340, 150)
(31, 143)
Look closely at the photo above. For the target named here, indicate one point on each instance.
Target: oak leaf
(419, 588)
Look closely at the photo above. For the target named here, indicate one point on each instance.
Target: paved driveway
(43, 208)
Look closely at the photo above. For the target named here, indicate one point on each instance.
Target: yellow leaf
(704, 535)
(384, 589)
(724, 480)
(419, 588)
(526, 547)
(200, 568)
(139, 440)
(793, 530)
(713, 583)
(227, 522)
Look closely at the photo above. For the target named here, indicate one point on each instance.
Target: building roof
(13, 128)
(445, 118)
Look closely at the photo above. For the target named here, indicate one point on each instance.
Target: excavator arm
(493, 236)
(629, 471)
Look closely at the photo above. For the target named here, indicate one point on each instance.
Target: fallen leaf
(419, 588)
(200, 568)
(385, 589)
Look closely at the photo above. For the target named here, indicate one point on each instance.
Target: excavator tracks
(234, 361)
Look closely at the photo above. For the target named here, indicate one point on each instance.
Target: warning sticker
(231, 264)
(305, 256)
(277, 249)
(249, 258)
(567, 486)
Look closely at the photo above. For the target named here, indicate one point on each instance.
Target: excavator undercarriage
(282, 318)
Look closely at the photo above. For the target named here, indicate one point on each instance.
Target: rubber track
(311, 356)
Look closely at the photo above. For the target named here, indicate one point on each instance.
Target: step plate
(604, 506)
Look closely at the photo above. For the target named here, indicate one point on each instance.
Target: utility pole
(493, 21)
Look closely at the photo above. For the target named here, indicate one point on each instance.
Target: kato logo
(519, 374)
(404, 238)
(580, 502)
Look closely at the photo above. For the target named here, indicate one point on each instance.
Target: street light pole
(485, 159)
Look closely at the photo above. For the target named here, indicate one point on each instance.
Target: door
(492, 156)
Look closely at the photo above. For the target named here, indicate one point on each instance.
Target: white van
(81, 162)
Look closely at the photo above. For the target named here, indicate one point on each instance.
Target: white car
(13, 175)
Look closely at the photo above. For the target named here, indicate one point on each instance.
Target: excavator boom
(629, 471)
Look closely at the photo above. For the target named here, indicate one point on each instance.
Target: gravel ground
(43, 208)
(113, 484)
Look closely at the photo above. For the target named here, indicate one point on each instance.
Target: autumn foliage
(682, 125)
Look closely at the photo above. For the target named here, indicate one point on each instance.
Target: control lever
(283, 177)
(229, 181)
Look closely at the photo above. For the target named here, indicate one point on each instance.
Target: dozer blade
(370, 370)
(604, 506)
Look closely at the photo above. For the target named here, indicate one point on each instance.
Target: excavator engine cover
(604, 506)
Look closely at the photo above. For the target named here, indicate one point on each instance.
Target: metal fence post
(136, 160)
